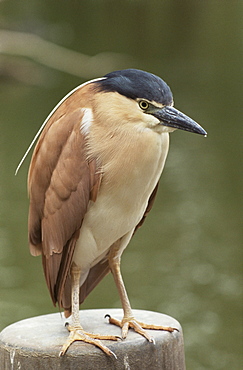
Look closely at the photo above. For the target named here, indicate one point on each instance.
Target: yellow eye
(143, 104)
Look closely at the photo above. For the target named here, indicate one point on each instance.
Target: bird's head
(135, 96)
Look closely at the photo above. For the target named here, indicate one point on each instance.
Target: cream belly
(120, 206)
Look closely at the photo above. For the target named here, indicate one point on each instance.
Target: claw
(152, 340)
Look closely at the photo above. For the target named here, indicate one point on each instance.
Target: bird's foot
(78, 333)
(131, 322)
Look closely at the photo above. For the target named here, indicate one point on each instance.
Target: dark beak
(172, 117)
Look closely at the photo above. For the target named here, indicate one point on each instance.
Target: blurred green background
(186, 260)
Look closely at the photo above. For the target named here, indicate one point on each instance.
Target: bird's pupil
(143, 104)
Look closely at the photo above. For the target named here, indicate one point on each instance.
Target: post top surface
(48, 332)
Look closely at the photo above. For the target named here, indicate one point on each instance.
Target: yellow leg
(128, 320)
(76, 330)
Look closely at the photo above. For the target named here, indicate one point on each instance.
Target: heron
(92, 181)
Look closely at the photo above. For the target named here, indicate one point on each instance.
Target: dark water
(186, 261)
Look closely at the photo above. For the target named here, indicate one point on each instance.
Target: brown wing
(61, 182)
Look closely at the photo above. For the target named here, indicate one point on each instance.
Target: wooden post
(34, 344)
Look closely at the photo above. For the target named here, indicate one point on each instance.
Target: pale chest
(128, 181)
(127, 184)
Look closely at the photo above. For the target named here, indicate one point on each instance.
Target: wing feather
(61, 182)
